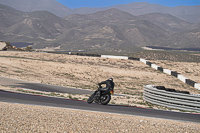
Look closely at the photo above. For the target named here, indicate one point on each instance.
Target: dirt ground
(17, 118)
(85, 72)
(190, 70)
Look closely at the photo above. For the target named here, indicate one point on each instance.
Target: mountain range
(187, 13)
(38, 5)
(112, 29)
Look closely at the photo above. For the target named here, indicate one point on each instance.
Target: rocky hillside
(111, 30)
(167, 22)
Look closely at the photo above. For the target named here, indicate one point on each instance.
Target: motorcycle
(101, 97)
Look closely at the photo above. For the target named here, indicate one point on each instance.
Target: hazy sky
(105, 3)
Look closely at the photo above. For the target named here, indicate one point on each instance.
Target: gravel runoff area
(85, 72)
(62, 70)
(18, 118)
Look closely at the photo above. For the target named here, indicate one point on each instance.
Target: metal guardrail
(175, 100)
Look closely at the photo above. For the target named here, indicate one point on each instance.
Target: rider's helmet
(111, 79)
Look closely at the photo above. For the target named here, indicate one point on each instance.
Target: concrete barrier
(2, 45)
(173, 73)
(114, 57)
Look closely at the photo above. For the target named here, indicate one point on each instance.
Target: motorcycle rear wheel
(105, 99)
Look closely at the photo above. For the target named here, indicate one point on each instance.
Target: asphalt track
(41, 87)
(82, 105)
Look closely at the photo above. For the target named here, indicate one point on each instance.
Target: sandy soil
(190, 70)
(25, 118)
(85, 72)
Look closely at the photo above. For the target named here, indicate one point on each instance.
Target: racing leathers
(109, 85)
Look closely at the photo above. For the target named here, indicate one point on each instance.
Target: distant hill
(187, 13)
(112, 16)
(116, 29)
(33, 27)
(41, 24)
(167, 21)
(38, 5)
(9, 16)
(111, 30)
(185, 39)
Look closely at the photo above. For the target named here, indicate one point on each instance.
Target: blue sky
(106, 3)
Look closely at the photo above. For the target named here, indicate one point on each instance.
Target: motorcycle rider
(109, 85)
(97, 94)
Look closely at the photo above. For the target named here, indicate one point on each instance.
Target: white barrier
(114, 57)
(182, 78)
(2, 45)
(197, 86)
(143, 60)
(174, 73)
(155, 66)
(167, 71)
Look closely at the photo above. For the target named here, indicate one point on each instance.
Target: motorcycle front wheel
(90, 99)
(105, 99)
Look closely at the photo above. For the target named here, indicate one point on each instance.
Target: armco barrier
(171, 98)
